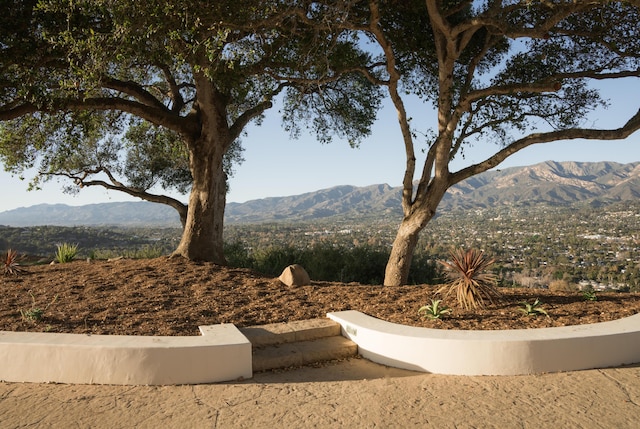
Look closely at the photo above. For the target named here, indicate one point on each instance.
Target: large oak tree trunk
(202, 235)
(416, 217)
(397, 271)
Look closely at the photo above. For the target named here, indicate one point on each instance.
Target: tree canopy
(161, 92)
(128, 95)
(507, 73)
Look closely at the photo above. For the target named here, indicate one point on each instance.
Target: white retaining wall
(507, 352)
(222, 353)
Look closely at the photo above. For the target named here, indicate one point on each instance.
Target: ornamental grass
(469, 279)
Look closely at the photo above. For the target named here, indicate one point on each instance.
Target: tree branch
(174, 89)
(17, 111)
(158, 115)
(629, 128)
(494, 19)
(236, 128)
(392, 87)
(548, 85)
(134, 90)
(596, 75)
(116, 185)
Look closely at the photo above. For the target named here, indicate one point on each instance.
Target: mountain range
(553, 183)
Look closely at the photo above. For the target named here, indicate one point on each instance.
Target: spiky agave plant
(11, 262)
(468, 279)
(435, 310)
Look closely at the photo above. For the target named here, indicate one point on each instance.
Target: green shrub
(423, 270)
(66, 252)
(101, 254)
(325, 262)
(272, 260)
(146, 252)
(365, 265)
(238, 255)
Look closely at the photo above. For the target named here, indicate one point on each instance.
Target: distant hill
(374, 200)
(555, 183)
(140, 213)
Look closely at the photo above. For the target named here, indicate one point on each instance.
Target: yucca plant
(468, 278)
(12, 262)
(66, 252)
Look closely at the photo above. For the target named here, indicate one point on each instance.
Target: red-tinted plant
(11, 262)
(468, 278)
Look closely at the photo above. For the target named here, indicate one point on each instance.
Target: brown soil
(173, 297)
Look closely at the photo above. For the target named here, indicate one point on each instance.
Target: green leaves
(68, 62)
(66, 252)
(155, 156)
(589, 295)
(435, 310)
(533, 309)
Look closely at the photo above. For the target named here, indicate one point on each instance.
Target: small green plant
(34, 314)
(589, 295)
(11, 263)
(469, 279)
(435, 310)
(533, 309)
(66, 252)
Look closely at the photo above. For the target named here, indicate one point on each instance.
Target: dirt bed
(167, 296)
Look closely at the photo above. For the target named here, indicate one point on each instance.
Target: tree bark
(399, 263)
(202, 235)
(418, 214)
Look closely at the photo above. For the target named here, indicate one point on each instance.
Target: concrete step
(302, 353)
(301, 330)
(283, 345)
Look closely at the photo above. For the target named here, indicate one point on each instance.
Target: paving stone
(301, 330)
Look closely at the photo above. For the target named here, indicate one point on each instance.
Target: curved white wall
(510, 352)
(222, 353)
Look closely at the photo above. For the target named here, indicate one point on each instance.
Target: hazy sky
(276, 165)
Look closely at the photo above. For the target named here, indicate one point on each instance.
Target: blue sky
(276, 165)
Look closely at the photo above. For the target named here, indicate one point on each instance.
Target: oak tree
(129, 95)
(508, 73)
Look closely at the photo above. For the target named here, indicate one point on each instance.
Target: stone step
(280, 333)
(302, 353)
(304, 342)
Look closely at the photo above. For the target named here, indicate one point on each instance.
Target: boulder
(295, 275)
